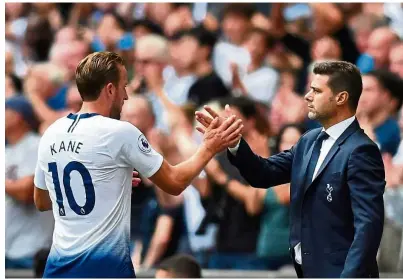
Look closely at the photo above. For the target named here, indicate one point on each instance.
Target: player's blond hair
(95, 71)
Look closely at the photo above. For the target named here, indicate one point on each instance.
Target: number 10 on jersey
(88, 186)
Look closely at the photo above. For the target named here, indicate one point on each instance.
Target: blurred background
(257, 57)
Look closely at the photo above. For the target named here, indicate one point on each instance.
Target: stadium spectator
(38, 39)
(236, 22)
(380, 100)
(379, 43)
(67, 54)
(143, 27)
(260, 82)
(200, 42)
(325, 48)
(235, 246)
(179, 266)
(396, 59)
(28, 230)
(273, 203)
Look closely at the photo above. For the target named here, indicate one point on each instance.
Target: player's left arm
(41, 194)
(366, 181)
(42, 200)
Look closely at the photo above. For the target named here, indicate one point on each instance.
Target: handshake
(219, 132)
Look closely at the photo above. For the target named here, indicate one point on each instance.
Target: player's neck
(94, 107)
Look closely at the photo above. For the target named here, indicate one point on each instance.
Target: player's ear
(110, 89)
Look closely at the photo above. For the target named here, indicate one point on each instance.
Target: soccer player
(84, 173)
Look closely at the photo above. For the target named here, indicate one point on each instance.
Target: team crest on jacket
(143, 144)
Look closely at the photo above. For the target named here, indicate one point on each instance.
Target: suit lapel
(306, 160)
(335, 148)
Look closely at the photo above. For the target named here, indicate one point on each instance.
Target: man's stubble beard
(312, 115)
(115, 112)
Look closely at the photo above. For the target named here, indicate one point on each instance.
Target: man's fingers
(232, 128)
(228, 122)
(211, 111)
(135, 174)
(235, 133)
(202, 119)
(235, 140)
(200, 129)
(204, 116)
(136, 181)
(213, 124)
(228, 110)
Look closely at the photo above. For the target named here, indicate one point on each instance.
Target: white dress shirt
(334, 133)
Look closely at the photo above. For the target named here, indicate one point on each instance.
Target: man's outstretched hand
(205, 120)
(217, 138)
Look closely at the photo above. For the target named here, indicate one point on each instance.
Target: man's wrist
(234, 149)
(206, 152)
(227, 181)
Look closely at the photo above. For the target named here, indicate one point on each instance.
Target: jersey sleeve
(39, 179)
(134, 150)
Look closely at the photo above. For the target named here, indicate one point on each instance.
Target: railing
(286, 272)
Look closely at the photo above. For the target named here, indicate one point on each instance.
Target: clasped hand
(219, 132)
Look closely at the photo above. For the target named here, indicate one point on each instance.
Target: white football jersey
(86, 162)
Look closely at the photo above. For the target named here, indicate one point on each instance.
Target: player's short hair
(95, 71)
(181, 266)
(343, 76)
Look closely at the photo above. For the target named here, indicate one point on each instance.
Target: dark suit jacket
(339, 236)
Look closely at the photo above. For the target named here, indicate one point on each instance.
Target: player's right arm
(173, 179)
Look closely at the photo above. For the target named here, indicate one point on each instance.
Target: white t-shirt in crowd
(27, 230)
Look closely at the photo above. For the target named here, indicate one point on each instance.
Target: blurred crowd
(180, 56)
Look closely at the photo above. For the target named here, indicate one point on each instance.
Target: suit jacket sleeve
(261, 172)
(366, 180)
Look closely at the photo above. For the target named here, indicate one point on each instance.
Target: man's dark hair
(152, 27)
(95, 71)
(119, 20)
(268, 39)
(245, 105)
(250, 109)
(391, 82)
(245, 10)
(343, 76)
(39, 37)
(203, 36)
(181, 266)
(300, 128)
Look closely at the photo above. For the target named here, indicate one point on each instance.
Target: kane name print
(70, 146)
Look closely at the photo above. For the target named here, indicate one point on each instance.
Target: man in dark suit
(337, 180)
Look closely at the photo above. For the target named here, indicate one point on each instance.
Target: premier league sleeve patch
(143, 144)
